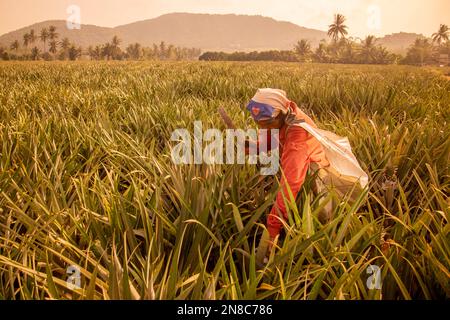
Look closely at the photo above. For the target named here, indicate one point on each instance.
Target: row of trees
(273, 55)
(348, 50)
(66, 50)
(424, 52)
(135, 51)
(340, 50)
(62, 50)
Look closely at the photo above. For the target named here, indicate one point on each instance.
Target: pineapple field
(87, 184)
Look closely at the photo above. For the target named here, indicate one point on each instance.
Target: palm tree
(368, 49)
(442, 35)
(53, 46)
(65, 44)
(95, 53)
(44, 36)
(115, 41)
(35, 53)
(303, 48)
(321, 53)
(155, 51)
(162, 50)
(171, 54)
(26, 39)
(383, 56)
(15, 45)
(114, 48)
(338, 28)
(134, 51)
(420, 52)
(347, 51)
(74, 52)
(107, 50)
(32, 37)
(52, 34)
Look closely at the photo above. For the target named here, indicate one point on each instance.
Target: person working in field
(271, 109)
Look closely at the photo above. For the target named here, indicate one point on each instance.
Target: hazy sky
(364, 16)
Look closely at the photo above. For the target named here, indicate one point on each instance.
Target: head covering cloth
(268, 103)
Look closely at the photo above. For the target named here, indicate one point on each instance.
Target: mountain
(214, 32)
(399, 42)
(228, 32)
(86, 36)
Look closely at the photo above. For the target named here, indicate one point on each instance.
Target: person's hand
(270, 243)
(249, 144)
(270, 246)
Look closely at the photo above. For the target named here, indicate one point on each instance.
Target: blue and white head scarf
(268, 103)
(260, 111)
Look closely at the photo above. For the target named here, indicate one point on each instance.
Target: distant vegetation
(66, 50)
(348, 50)
(86, 180)
(340, 49)
(163, 51)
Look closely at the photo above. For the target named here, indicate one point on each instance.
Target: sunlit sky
(364, 17)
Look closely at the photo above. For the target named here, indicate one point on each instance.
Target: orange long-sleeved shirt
(297, 148)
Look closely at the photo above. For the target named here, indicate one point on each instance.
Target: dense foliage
(86, 179)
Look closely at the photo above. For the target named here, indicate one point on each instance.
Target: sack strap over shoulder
(291, 120)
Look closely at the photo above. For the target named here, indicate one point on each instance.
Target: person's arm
(263, 143)
(294, 164)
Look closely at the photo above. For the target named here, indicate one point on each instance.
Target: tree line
(64, 49)
(343, 49)
(135, 51)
